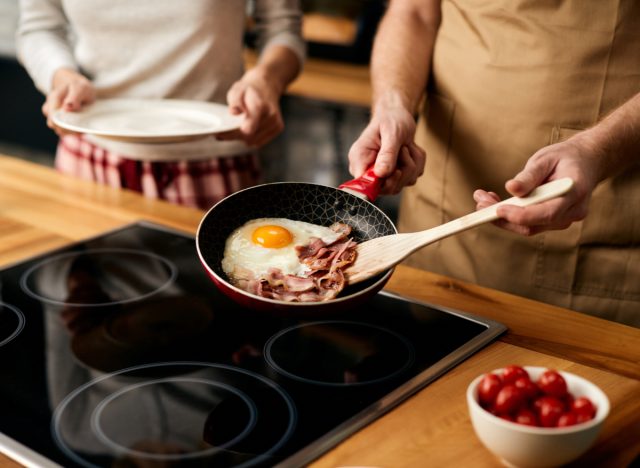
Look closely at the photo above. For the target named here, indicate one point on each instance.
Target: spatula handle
(381, 253)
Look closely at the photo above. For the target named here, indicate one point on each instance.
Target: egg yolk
(271, 236)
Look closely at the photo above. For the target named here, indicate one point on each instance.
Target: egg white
(242, 255)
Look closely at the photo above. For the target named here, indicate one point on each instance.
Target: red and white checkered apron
(198, 184)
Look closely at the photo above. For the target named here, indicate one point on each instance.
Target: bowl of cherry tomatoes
(535, 416)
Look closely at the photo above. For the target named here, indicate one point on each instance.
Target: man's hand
(257, 97)
(576, 158)
(603, 151)
(70, 91)
(388, 141)
(400, 64)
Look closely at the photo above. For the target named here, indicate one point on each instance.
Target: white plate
(149, 120)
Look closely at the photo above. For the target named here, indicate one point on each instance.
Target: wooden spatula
(382, 253)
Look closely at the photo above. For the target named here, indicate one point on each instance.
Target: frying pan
(312, 203)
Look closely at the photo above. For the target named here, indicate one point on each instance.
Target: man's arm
(616, 139)
(400, 66)
(401, 57)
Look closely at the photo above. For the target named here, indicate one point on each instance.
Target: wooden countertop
(41, 210)
(326, 80)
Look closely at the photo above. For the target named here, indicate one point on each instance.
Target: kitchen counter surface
(41, 210)
(329, 80)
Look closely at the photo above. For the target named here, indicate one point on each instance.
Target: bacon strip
(325, 279)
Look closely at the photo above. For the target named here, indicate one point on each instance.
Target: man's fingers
(391, 184)
(408, 169)
(419, 156)
(545, 213)
(535, 173)
(484, 196)
(531, 230)
(484, 199)
(387, 158)
(418, 159)
(360, 158)
(363, 151)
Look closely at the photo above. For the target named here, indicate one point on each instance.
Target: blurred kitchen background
(324, 111)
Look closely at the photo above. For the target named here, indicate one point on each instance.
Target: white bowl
(526, 446)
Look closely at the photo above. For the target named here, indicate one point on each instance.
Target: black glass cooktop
(119, 351)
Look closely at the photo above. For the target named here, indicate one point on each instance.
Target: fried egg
(264, 243)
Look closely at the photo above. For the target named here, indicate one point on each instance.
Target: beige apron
(510, 77)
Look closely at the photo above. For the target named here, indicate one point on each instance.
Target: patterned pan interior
(311, 203)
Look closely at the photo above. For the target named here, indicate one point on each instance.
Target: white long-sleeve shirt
(152, 49)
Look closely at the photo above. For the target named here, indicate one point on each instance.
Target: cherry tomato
(512, 373)
(567, 419)
(488, 389)
(506, 417)
(527, 417)
(509, 399)
(549, 409)
(568, 399)
(582, 417)
(583, 405)
(514, 397)
(529, 388)
(552, 383)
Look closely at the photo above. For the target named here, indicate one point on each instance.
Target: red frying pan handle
(367, 185)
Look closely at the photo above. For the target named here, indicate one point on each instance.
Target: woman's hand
(257, 97)
(70, 91)
(388, 142)
(576, 158)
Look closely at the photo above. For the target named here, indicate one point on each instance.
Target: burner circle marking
(97, 413)
(408, 353)
(18, 327)
(172, 273)
(58, 414)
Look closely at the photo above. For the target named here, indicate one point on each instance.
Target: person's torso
(510, 77)
(523, 73)
(159, 48)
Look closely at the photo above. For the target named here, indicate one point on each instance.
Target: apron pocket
(599, 256)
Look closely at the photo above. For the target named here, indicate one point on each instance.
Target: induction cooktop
(119, 351)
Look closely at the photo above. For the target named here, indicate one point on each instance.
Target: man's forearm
(616, 139)
(402, 52)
